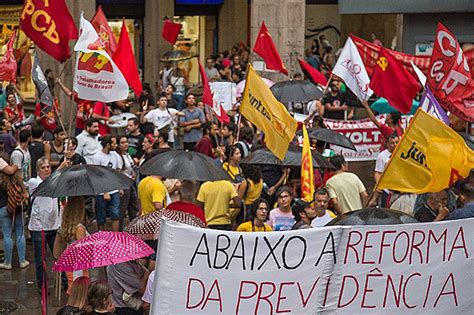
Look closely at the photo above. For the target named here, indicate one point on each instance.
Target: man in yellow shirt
(215, 198)
(152, 194)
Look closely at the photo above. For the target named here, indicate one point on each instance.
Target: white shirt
(44, 210)
(108, 160)
(382, 160)
(126, 169)
(161, 118)
(87, 146)
(22, 159)
(321, 221)
(148, 294)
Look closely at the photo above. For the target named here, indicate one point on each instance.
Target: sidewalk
(18, 292)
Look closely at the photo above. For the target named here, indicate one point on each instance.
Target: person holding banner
(467, 210)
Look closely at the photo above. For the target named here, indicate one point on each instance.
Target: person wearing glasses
(257, 223)
(282, 218)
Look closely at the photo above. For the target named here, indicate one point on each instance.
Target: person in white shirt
(88, 141)
(21, 157)
(129, 198)
(163, 118)
(320, 205)
(381, 197)
(44, 217)
(108, 202)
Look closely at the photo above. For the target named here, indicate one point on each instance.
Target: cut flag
(262, 109)
(351, 69)
(208, 98)
(106, 36)
(265, 48)
(125, 61)
(307, 170)
(171, 31)
(8, 65)
(56, 30)
(44, 94)
(312, 74)
(449, 76)
(393, 82)
(96, 77)
(430, 157)
(429, 104)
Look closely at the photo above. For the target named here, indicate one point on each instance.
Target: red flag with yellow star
(392, 81)
(265, 48)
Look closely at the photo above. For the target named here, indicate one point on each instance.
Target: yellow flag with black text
(429, 158)
(262, 109)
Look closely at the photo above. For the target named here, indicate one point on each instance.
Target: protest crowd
(257, 192)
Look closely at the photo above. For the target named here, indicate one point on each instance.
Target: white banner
(96, 78)
(398, 269)
(366, 137)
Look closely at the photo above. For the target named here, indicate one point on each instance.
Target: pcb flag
(96, 78)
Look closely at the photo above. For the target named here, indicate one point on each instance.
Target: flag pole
(320, 99)
(240, 114)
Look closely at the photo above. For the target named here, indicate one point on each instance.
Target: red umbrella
(102, 249)
(147, 227)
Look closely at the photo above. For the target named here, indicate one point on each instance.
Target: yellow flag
(261, 108)
(430, 157)
(307, 170)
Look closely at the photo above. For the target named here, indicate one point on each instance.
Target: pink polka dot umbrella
(147, 227)
(101, 249)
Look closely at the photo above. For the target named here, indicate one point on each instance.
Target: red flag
(106, 36)
(313, 75)
(449, 76)
(393, 82)
(171, 31)
(265, 48)
(125, 61)
(8, 65)
(208, 99)
(50, 25)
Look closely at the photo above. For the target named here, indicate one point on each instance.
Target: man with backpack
(21, 155)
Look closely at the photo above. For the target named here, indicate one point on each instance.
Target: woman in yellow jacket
(249, 190)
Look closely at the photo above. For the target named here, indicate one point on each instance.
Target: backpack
(16, 198)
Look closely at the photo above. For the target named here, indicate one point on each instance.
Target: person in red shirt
(392, 122)
(47, 118)
(102, 112)
(204, 145)
(84, 107)
(13, 112)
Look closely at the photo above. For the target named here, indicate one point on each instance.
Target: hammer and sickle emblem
(383, 63)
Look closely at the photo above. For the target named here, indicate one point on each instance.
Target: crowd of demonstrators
(255, 199)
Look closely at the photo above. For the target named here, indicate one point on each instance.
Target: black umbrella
(296, 91)
(330, 136)
(292, 158)
(176, 55)
(184, 165)
(82, 180)
(373, 216)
